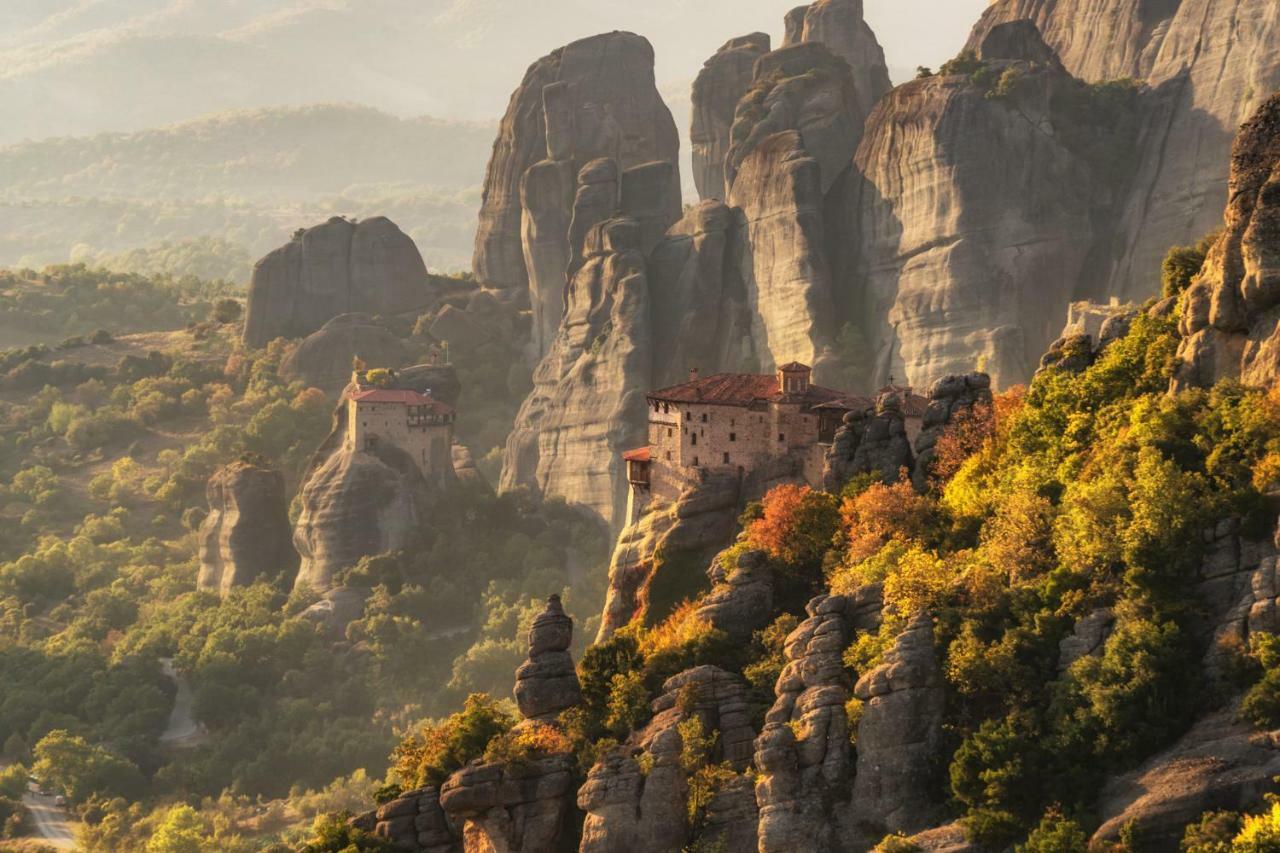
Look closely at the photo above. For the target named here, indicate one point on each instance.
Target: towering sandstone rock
(1229, 322)
(340, 267)
(968, 225)
(594, 98)
(841, 26)
(721, 83)
(246, 535)
(1209, 63)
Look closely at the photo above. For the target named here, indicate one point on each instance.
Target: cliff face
(970, 220)
(323, 359)
(1209, 63)
(588, 403)
(1229, 317)
(594, 98)
(841, 26)
(340, 267)
(721, 83)
(246, 534)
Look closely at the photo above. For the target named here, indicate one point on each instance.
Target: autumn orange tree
(883, 512)
(796, 525)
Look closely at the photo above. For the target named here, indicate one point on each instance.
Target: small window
(704, 417)
(688, 416)
(695, 439)
(666, 408)
(781, 437)
(726, 459)
(668, 455)
(695, 462)
(670, 432)
(733, 436)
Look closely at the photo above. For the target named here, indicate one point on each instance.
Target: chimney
(693, 374)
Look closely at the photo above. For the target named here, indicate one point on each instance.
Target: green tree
(180, 831)
(79, 769)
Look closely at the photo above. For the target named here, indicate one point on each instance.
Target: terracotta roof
(640, 454)
(737, 389)
(794, 366)
(402, 396)
(852, 403)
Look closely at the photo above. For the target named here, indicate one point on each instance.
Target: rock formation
(518, 807)
(594, 98)
(721, 83)
(948, 398)
(413, 821)
(246, 535)
(803, 753)
(340, 267)
(787, 280)
(1209, 65)
(970, 217)
(1228, 319)
(1220, 763)
(628, 809)
(323, 359)
(741, 598)
(803, 88)
(871, 440)
(547, 683)
(839, 25)
(900, 734)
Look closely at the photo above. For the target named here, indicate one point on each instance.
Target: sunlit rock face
(340, 267)
(591, 99)
(967, 225)
(1210, 64)
(721, 83)
(1230, 323)
(246, 535)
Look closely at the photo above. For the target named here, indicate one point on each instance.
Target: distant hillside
(244, 179)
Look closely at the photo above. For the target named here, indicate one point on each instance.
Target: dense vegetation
(106, 445)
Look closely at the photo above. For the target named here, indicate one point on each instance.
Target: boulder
(246, 535)
(741, 597)
(340, 267)
(520, 807)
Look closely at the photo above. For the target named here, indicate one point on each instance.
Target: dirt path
(183, 730)
(51, 821)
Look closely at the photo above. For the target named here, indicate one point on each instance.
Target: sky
(75, 67)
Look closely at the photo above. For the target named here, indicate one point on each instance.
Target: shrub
(434, 751)
(226, 310)
(1055, 834)
(1183, 263)
(796, 526)
(1212, 833)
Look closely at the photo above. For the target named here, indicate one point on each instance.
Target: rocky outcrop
(741, 598)
(949, 397)
(1088, 637)
(806, 89)
(414, 822)
(628, 809)
(323, 360)
(1209, 65)
(340, 267)
(547, 683)
(803, 753)
(246, 535)
(900, 734)
(787, 279)
(721, 83)
(1220, 763)
(356, 504)
(968, 221)
(839, 25)
(665, 542)
(590, 99)
(1236, 585)
(588, 404)
(870, 440)
(1229, 322)
(520, 807)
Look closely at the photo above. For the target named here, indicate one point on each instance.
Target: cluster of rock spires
(246, 535)
(948, 221)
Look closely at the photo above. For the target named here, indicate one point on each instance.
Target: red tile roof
(402, 396)
(640, 454)
(737, 389)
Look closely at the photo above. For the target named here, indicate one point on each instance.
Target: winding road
(50, 820)
(182, 729)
